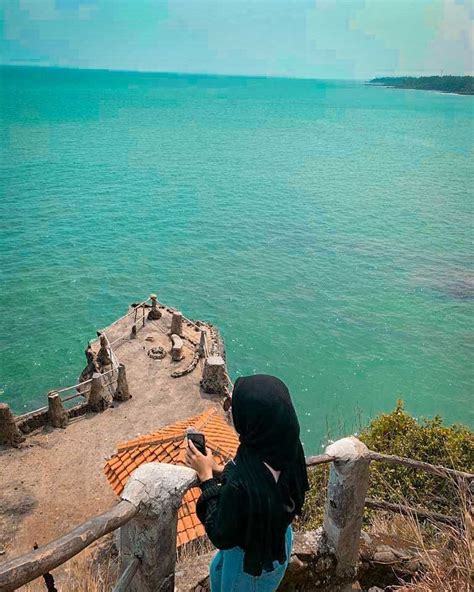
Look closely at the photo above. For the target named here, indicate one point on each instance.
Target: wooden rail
(24, 569)
(418, 464)
(409, 511)
(320, 459)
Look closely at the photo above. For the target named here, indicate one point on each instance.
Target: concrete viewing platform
(150, 368)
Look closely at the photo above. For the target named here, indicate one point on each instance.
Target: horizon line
(222, 74)
(171, 72)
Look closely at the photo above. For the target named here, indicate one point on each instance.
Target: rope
(112, 353)
(115, 365)
(66, 388)
(229, 379)
(71, 397)
(162, 329)
(124, 336)
(128, 313)
(25, 415)
(192, 323)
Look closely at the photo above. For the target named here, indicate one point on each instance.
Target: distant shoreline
(457, 85)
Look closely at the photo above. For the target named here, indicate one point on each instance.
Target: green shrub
(428, 440)
(313, 511)
(398, 433)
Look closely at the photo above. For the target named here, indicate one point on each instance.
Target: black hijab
(269, 431)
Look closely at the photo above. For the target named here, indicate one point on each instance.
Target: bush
(428, 440)
(398, 433)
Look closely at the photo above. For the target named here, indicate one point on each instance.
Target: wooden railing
(147, 514)
(147, 517)
(102, 386)
(28, 567)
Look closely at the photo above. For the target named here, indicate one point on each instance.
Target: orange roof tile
(168, 446)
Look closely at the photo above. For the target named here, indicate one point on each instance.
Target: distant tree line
(463, 85)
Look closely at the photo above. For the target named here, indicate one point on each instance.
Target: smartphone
(198, 439)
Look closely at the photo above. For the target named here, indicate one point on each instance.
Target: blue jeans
(227, 571)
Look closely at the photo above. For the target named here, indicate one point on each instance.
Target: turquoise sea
(326, 227)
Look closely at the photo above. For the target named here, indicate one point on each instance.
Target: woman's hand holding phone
(202, 464)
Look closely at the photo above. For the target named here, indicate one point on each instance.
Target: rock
(305, 543)
(385, 557)
(384, 549)
(214, 379)
(192, 573)
(412, 566)
(325, 564)
(295, 564)
(354, 586)
(157, 353)
(375, 589)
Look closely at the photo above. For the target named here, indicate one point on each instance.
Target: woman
(248, 511)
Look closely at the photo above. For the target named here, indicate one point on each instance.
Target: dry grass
(83, 573)
(448, 563)
(195, 548)
(403, 528)
(445, 551)
(97, 571)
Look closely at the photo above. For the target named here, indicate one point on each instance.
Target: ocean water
(326, 227)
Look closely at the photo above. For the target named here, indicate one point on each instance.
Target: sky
(351, 39)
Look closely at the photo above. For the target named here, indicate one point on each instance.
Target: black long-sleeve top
(222, 511)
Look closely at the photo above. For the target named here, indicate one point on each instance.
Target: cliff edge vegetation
(398, 433)
(441, 553)
(461, 85)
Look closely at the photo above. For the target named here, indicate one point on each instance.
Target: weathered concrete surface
(347, 488)
(177, 324)
(213, 377)
(57, 414)
(154, 314)
(97, 398)
(62, 470)
(122, 392)
(176, 348)
(156, 490)
(9, 432)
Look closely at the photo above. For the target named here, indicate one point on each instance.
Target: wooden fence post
(122, 392)
(214, 379)
(347, 488)
(10, 433)
(96, 399)
(156, 490)
(177, 324)
(57, 414)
